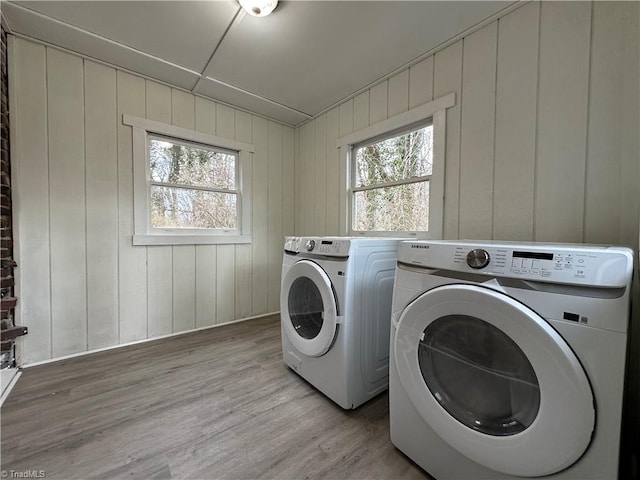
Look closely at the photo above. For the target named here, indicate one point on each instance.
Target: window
(393, 177)
(390, 182)
(192, 186)
(188, 186)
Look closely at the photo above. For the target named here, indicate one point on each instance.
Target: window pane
(392, 209)
(185, 208)
(396, 158)
(191, 165)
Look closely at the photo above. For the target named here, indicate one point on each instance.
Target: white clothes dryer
(508, 359)
(335, 305)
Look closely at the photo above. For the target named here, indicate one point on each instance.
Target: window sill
(190, 239)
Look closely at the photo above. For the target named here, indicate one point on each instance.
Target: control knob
(478, 258)
(310, 245)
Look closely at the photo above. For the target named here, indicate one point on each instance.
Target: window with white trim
(189, 187)
(390, 181)
(393, 174)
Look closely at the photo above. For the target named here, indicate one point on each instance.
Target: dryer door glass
(306, 309)
(479, 375)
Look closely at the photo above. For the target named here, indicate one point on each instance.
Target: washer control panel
(571, 264)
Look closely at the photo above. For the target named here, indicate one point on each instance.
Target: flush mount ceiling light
(258, 8)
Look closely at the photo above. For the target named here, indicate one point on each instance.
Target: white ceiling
(302, 59)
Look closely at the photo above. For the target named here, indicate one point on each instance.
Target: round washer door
(494, 380)
(308, 308)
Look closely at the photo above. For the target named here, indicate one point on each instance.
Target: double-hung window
(192, 186)
(189, 187)
(390, 181)
(393, 174)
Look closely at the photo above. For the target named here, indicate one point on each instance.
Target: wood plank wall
(542, 143)
(82, 284)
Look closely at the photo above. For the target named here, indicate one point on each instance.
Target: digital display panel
(327, 242)
(536, 255)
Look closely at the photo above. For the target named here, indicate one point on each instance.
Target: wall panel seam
(537, 132)
(146, 248)
(588, 123)
(495, 124)
(86, 210)
(460, 126)
(433, 88)
(118, 208)
(46, 74)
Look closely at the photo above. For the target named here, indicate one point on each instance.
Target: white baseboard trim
(144, 340)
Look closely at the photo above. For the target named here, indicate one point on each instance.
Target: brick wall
(6, 234)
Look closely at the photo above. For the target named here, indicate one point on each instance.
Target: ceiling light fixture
(258, 8)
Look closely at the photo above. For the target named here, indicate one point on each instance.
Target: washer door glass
(306, 309)
(479, 375)
(494, 380)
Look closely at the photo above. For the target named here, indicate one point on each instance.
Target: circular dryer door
(494, 380)
(308, 308)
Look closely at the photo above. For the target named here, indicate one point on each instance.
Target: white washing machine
(508, 359)
(335, 305)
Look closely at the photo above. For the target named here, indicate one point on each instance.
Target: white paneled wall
(82, 284)
(515, 125)
(542, 143)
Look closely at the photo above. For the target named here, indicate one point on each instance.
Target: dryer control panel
(569, 263)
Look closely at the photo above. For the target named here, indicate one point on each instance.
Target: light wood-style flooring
(214, 404)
